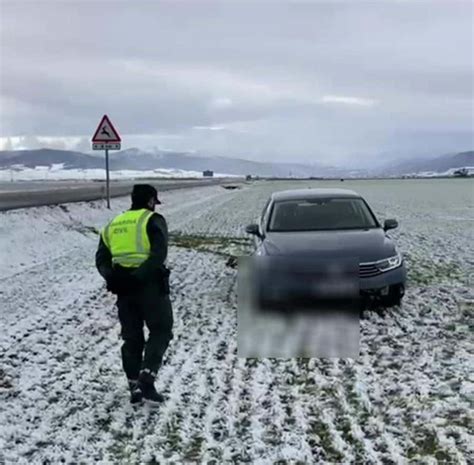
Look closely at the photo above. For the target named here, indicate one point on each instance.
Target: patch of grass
(217, 453)
(428, 446)
(344, 425)
(197, 240)
(5, 381)
(173, 434)
(355, 402)
(326, 442)
(331, 396)
(103, 423)
(84, 229)
(427, 273)
(252, 362)
(459, 418)
(463, 421)
(91, 229)
(120, 449)
(193, 453)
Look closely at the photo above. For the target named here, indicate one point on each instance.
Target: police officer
(131, 258)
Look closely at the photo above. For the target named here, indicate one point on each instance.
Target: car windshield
(321, 214)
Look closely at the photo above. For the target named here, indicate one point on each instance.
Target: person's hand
(113, 285)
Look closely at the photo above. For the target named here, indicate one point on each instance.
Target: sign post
(106, 138)
(107, 177)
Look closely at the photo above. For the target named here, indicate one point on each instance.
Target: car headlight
(390, 263)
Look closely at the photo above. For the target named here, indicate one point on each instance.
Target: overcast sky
(335, 82)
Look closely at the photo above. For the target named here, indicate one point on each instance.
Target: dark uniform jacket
(152, 271)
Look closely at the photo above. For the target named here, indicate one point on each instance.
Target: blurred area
(298, 306)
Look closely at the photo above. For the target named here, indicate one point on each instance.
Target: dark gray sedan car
(333, 225)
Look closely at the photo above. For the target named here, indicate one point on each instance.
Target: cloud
(364, 102)
(209, 128)
(222, 102)
(28, 142)
(82, 145)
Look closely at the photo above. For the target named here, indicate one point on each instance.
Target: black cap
(142, 193)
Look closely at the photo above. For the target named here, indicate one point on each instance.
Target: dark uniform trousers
(150, 306)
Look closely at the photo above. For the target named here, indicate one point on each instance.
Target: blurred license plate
(332, 288)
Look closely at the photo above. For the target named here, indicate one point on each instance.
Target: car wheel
(395, 296)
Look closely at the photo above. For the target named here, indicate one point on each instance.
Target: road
(25, 194)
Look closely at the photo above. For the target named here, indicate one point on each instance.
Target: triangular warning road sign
(106, 132)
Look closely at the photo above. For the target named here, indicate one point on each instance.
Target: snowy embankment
(451, 172)
(63, 396)
(59, 173)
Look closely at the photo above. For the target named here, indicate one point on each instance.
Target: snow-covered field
(59, 173)
(63, 397)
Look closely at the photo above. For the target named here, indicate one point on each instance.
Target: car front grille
(368, 270)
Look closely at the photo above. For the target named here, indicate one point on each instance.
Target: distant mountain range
(435, 165)
(136, 159)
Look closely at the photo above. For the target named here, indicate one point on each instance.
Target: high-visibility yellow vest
(127, 239)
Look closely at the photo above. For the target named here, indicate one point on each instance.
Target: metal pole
(108, 177)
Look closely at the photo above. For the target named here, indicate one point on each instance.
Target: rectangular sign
(108, 146)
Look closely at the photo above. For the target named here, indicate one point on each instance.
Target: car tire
(395, 296)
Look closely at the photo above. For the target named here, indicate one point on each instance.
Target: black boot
(146, 383)
(136, 394)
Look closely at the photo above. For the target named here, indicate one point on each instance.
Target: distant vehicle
(208, 173)
(333, 224)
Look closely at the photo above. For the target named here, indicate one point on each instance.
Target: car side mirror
(253, 229)
(390, 224)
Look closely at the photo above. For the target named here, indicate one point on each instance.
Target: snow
(57, 172)
(63, 396)
(449, 172)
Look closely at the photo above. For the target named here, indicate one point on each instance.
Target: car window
(321, 214)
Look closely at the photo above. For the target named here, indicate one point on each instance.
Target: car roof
(314, 193)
